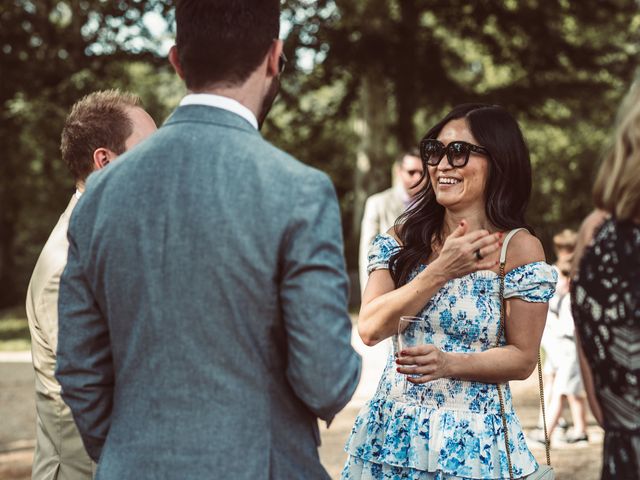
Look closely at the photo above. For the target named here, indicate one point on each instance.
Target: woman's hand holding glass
(463, 253)
(427, 361)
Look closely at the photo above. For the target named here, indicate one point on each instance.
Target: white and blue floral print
(446, 429)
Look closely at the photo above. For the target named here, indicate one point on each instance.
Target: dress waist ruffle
(455, 442)
(446, 393)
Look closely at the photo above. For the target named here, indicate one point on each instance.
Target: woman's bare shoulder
(524, 248)
(395, 233)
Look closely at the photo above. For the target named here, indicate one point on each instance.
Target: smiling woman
(487, 177)
(440, 263)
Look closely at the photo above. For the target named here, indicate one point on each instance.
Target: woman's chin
(448, 199)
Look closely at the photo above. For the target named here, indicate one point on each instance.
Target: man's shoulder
(249, 153)
(286, 164)
(384, 199)
(205, 137)
(382, 196)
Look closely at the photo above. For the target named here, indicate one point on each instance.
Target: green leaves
(366, 80)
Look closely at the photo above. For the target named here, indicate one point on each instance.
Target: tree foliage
(365, 80)
(51, 54)
(560, 67)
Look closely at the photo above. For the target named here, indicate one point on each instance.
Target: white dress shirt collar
(219, 101)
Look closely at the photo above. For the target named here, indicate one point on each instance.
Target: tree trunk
(373, 165)
(7, 265)
(406, 75)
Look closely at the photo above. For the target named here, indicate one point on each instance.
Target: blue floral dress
(448, 428)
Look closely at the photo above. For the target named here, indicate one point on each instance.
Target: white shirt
(218, 101)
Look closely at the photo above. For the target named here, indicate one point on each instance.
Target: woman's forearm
(379, 318)
(496, 365)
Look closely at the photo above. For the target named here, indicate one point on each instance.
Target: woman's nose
(444, 163)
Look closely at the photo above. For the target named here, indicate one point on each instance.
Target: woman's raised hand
(463, 253)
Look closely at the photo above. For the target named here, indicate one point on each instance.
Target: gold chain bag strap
(544, 472)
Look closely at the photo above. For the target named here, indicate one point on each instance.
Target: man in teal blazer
(203, 309)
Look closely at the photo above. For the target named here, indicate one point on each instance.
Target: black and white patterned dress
(606, 310)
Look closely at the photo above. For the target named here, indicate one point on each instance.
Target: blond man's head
(101, 126)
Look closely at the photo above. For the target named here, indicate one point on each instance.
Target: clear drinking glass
(411, 333)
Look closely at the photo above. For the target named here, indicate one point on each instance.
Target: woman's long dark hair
(507, 190)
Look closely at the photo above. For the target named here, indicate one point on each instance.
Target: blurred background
(365, 80)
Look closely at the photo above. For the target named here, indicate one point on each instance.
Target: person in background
(382, 209)
(99, 127)
(563, 380)
(605, 294)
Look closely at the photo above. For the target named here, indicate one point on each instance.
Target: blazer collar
(211, 115)
(72, 203)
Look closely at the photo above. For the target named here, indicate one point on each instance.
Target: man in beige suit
(382, 209)
(100, 127)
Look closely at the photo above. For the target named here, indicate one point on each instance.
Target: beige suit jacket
(59, 453)
(380, 214)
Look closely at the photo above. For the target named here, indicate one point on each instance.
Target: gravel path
(17, 422)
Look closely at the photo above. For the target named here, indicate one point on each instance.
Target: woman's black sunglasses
(432, 151)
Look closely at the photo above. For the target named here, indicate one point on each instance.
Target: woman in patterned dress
(606, 297)
(440, 262)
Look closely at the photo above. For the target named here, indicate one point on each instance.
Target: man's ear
(273, 58)
(174, 59)
(102, 157)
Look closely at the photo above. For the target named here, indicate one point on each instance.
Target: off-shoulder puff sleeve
(533, 282)
(380, 252)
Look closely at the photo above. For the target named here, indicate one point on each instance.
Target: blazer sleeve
(323, 369)
(84, 366)
(369, 228)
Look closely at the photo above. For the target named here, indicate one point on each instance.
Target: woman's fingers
(423, 367)
(417, 370)
(487, 243)
(484, 252)
(418, 350)
(484, 248)
(417, 360)
(422, 379)
(460, 230)
(475, 236)
(470, 252)
(486, 264)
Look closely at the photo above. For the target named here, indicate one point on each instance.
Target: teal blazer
(203, 309)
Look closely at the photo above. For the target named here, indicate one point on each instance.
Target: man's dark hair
(98, 120)
(224, 41)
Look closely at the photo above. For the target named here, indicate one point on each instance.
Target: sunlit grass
(14, 330)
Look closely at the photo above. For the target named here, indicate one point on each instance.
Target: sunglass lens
(459, 153)
(432, 153)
